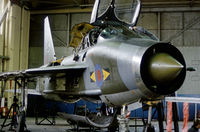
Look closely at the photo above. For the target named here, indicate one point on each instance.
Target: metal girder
(150, 3)
(77, 3)
(183, 99)
(61, 4)
(190, 25)
(62, 11)
(89, 10)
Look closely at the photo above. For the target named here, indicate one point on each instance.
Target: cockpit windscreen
(127, 10)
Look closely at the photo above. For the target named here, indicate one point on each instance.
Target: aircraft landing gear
(149, 127)
(123, 120)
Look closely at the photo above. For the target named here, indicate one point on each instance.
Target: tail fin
(49, 52)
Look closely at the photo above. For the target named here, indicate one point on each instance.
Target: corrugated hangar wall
(192, 81)
(14, 40)
(180, 25)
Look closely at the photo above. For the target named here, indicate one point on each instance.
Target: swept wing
(42, 71)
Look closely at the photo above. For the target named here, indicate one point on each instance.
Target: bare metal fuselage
(117, 71)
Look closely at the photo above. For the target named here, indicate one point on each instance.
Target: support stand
(160, 110)
(13, 123)
(175, 117)
(175, 114)
(149, 127)
(2, 102)
(123, 121)
(17, 123)
(3, 86)
(15, 109)
(46, 117)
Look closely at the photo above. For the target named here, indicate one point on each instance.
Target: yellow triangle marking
(105, 74)
(93, 77)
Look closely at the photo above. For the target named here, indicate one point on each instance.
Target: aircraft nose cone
(163, 68)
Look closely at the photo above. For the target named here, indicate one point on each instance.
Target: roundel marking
(99, 75)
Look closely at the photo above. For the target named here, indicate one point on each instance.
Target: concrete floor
(63, 126)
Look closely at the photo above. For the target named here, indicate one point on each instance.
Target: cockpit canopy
(123, 11)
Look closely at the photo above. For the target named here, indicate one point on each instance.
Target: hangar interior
(22, 29)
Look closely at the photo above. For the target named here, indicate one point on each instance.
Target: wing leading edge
(42, 71)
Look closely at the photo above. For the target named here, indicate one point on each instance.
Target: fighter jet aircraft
(114, 61)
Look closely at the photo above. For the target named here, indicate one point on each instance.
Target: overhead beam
(170, 9)
(171, 3)
(62, 11)
(49, 2)
(76, 2)
(183, 99)
(89, 10)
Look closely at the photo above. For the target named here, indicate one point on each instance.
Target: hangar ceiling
(58, 4)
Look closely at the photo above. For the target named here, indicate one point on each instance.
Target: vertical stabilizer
(49, 52)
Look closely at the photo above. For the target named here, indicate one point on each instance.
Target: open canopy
(125, 11)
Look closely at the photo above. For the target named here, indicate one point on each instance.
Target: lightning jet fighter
(114, 62)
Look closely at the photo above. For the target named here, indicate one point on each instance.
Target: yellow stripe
(93, 77)
(105, 74)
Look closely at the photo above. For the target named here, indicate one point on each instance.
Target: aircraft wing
(54, 69)
(42, 71)
(11, 75)
(29, 91)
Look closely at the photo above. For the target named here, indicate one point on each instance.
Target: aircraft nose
(163, 68)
